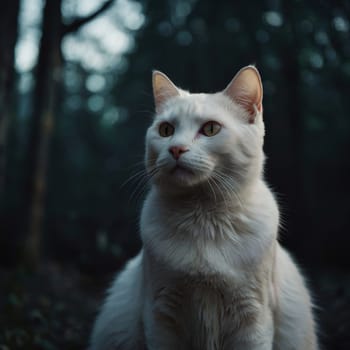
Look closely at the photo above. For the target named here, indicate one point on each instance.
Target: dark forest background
(75, 101)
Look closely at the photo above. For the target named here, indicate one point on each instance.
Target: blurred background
(75, 101)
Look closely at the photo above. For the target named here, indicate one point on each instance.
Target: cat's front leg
(160, 337)
(258, 336)
(161, 331)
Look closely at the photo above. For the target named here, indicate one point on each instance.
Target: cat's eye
(166, 129)
(210, 128)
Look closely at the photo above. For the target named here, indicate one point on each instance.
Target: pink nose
(176, 151)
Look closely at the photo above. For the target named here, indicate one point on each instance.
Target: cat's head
(212, 140)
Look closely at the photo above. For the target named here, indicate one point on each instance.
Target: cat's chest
(205, 310)
(200, 221)
(194, 240)
(204, 239)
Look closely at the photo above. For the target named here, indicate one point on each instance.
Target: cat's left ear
(246, 90)
(163, 89)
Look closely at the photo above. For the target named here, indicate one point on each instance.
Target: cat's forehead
(200, 107)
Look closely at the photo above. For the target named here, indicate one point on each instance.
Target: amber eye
(210, 128)
(166, 129)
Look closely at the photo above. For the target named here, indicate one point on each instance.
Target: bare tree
(9, 10)
(48, 78)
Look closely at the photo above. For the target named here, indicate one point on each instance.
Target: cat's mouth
(181, 170)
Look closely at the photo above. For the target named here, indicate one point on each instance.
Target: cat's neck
(209, 197)
(180, 229)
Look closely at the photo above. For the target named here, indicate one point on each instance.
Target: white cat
(211, 274)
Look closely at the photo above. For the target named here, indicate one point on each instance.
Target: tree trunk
(9, 10)
(48, 79)
(47, 76)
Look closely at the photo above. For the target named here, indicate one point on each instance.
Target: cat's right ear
(163, 89)
(246, 90)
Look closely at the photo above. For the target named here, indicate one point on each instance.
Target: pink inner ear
(163, 89)
(257, 108)
(251, 107)
(246, 90)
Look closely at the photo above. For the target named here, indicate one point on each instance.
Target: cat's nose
(176, 151)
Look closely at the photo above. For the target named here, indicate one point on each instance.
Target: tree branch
(79, 22)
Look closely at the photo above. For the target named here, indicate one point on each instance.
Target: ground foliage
(50, 309)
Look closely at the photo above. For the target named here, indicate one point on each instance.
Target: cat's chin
(181, 171)
(176, 177)
(181, 176)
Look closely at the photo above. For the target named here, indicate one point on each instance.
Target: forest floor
(54, 308)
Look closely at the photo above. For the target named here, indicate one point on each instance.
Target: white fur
(211, 275)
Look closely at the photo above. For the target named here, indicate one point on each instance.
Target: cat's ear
(246, 90)
(163, 89)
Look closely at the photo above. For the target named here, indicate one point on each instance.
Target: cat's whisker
(219, 180)
(147, 181)
(137, 193)
(143, 182)
(222, 191)
(139, 173)
(219, 189)
(134, 177)
(137, 164)
(211, 188)
(137, 188)
(224, 180)
(142, 162)
(142, 189)
(234, 192)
